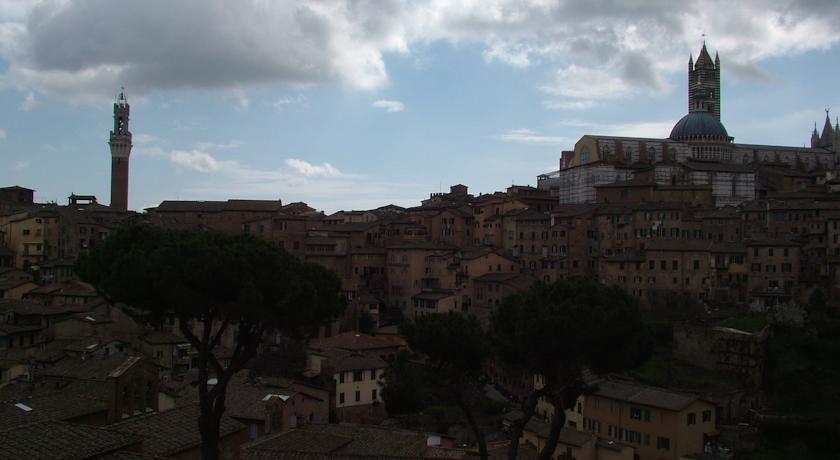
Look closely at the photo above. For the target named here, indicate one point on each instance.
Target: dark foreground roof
(174, 431)
(61, 440)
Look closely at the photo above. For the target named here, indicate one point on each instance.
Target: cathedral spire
(704, 75)
(828, 130)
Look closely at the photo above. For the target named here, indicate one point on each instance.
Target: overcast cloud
(85, 49)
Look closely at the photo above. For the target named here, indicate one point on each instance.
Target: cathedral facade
(698, 154)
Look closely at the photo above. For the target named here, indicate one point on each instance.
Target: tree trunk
(479, 434)
(557, 423)
(529, 406)
(208, 426)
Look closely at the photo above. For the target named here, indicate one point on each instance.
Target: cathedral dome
(699, 125)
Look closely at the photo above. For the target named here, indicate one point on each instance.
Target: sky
(354, 104)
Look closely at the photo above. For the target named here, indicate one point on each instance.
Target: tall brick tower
(705, 74)
(120, 143)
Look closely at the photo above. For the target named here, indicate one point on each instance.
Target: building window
(691, 418)
(341, 398)
(647, 415)
(663, 443)
(341, 377)
(358, 396)
(358, 375)
(373, 394)
(707, 416)
(373, 374)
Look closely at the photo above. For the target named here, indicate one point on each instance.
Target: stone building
(698, 152)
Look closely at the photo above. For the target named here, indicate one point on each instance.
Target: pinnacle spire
(825, 137)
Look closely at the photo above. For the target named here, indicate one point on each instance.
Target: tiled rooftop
(61, 440)
(347, 441)
(176, 430)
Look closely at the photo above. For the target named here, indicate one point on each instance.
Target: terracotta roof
(218, 206)
(352, 341)
(69, 287)
(340, 361)
(345, 441)
(245, 399)
(86, 369)
(58, 405)
(61, 440)
(17, 188)
(174, 431)
(27, 307)
(644, 395)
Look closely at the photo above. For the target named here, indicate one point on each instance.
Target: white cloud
(143, 138)
(21, 165)
(389, 106)
(147, 145)
(654, 129)
(242, 99)
(527, 136)
(307, 169)
(148, 151)
(2, 134)
(195, 159)
(295, 180)
(217, 145)
(514, 55)
(582, 104)
(29, 104)
(586, 83)
(287, 101)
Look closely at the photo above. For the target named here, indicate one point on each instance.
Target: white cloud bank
(85, 49)
(527, 136)
(29, 103)
(297, 179)
(195, 160)
(389, 106)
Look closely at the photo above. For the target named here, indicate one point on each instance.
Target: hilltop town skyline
(436, 104)
(424, 229)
